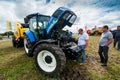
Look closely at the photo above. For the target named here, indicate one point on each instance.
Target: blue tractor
(47, 42)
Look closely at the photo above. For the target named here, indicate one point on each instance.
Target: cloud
(112, 19)
(89, 12)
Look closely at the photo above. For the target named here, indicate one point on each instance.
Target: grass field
(15, 65)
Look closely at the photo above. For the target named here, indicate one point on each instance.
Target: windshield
(43, 21)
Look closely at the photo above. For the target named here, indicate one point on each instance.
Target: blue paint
(54, 20)
(30, 35)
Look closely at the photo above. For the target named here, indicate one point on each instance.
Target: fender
(49, 41)
(30, 35)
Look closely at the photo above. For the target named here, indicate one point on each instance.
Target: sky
(89, 13)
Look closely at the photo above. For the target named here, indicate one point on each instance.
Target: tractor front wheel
(49, 59)
(27, 46)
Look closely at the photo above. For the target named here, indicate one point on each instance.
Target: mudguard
(48, 41)
(30, 35)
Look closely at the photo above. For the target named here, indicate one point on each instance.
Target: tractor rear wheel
(27, 46)
(49, 59)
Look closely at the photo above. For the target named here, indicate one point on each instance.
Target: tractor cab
(43, 27)
(61, 17)
(37, 24)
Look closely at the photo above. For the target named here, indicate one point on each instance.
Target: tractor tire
(13, 41)
(49, 59)
(27, 46)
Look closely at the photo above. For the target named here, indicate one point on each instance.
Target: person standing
(115, 41)
(82, 43)
(117, 37)
(114, 37)
(104, 44)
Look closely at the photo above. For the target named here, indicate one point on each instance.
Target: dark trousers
(118, 43)
(115, 42)
(103, 53)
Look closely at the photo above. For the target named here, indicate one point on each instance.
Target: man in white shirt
(82, 43)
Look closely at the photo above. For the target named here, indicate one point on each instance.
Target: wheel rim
(46, 61)
(25, 45)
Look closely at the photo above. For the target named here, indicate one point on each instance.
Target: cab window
(57, 13)
(72, 19)
(66, 16)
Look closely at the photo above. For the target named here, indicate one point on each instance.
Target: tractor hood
(60, 18)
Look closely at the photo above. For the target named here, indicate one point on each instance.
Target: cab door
(33, 27)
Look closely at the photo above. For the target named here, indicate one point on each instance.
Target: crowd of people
(106, 39)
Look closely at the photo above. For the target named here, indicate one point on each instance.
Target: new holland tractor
(17, 38)
(48, 43)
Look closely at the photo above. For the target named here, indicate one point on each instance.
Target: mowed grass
(15, 65)
(97, 72)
